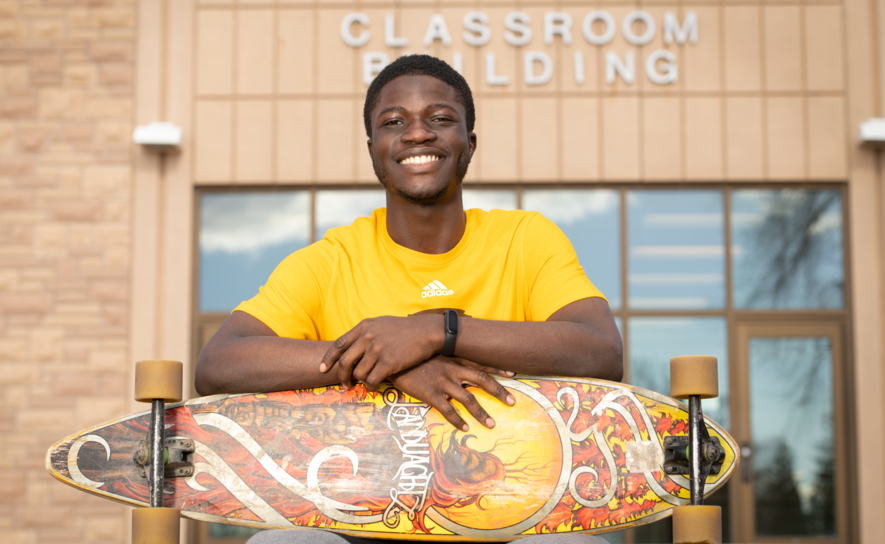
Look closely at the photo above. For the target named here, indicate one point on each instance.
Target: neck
(435, 229)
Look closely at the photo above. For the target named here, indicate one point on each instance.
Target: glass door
(791, 486)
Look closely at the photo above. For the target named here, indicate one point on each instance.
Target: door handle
(746, 462)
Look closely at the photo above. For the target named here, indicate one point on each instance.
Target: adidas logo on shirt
(436, 289)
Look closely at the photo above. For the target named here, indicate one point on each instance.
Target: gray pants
(315, 536)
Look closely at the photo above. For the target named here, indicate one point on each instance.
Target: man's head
(419, 117)
(419, 65)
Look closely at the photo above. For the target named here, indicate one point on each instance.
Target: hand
(441, 379)
(379, 347)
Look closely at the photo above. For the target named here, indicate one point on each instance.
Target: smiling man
(422, 293)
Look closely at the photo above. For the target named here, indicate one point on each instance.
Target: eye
(391, 122)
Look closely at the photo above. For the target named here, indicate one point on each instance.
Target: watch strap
(450, 325)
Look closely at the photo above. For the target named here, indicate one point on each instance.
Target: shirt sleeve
(555, 277)
(292, 296)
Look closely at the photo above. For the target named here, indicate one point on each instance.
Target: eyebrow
(429, 107)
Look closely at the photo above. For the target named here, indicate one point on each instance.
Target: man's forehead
(410, 91)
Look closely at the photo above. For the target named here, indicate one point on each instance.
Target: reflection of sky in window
(654, 340)
(791, 407)
(339, 208)
(787, 249)
(591, 220)
(676, 250)
(243, 237)
(488, 199)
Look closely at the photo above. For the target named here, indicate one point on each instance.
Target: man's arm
(246, 356)
(580, 340)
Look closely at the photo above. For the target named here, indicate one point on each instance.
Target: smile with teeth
(420, 159)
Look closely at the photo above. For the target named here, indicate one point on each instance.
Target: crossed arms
(579, 340)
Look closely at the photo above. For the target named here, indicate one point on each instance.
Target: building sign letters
(597, 28)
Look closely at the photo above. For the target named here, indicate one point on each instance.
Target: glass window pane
(676, 250)
(787, 249)
(243, 237)
(653, 340)
(791, 414)
(591, 220)
(488, 199)
(339, 208)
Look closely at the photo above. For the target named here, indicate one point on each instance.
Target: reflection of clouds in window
(340, 208)
(248, 222)
(678, 251)
(682, 219)
(568, 207)
(791, 253)
(664, 279)
(488, 199)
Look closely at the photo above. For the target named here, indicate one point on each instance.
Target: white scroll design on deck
(73, 454)
(311, 492)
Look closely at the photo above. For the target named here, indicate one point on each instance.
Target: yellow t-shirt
(508, 266)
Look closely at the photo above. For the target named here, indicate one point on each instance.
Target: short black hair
(419, 65)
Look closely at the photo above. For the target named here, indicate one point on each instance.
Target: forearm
(559, 348)
(246, 356)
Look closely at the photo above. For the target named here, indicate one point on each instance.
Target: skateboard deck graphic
(571, 456)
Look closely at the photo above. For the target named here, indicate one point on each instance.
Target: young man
(366, 303)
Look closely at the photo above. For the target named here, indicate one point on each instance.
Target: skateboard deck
(572, 455)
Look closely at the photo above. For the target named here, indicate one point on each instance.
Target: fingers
(490, 386)
(442, 404)
(338, 347)
(469, 401)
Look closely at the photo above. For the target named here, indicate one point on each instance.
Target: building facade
(702, 156)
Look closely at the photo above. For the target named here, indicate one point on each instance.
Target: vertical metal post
(694, 450)
(158, 442)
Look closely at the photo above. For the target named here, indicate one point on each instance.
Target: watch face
(452, 322)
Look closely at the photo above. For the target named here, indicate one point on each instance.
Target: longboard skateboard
(572, 455)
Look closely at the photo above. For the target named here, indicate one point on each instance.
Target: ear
(472, 138)
(369, 146)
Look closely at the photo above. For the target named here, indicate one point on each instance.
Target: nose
(418, 131)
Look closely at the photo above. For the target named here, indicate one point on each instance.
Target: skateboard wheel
(694, 375)
(155, 526)
(697, 525)
(158, 379)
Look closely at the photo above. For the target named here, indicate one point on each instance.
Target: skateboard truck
(695, 377)
(177, 457)
(158, 381)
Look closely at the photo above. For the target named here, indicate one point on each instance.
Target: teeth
(421, 159)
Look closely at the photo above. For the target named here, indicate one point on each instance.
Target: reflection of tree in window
(788, 249)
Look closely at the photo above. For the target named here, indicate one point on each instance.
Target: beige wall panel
(295, 2)
(701, 66)
(657, 43)
(337, 69)
(506, 64)
(783, 55)
(295, 54)
(215, 31)
(334, 140)
(703, 138)
(537, 45)
(496, 139)
(823, 48)
(295, 143)
(580, 139)
(826, 138)
(376, 42)
(255, 51)
(364, 171)
(564, 66)
(785, 122)
(743, 138)
(743, 67)
(539, 157)
(662, 139)
(254, 141)
(620, 139)
(213, 141)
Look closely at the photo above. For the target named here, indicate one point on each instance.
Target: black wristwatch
(450, 322)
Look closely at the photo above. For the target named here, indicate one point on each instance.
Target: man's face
(420, 146)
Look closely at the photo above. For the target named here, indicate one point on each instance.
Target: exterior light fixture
(872, 132)
(159, 136)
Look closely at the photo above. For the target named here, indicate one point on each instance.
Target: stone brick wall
(66, 98)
